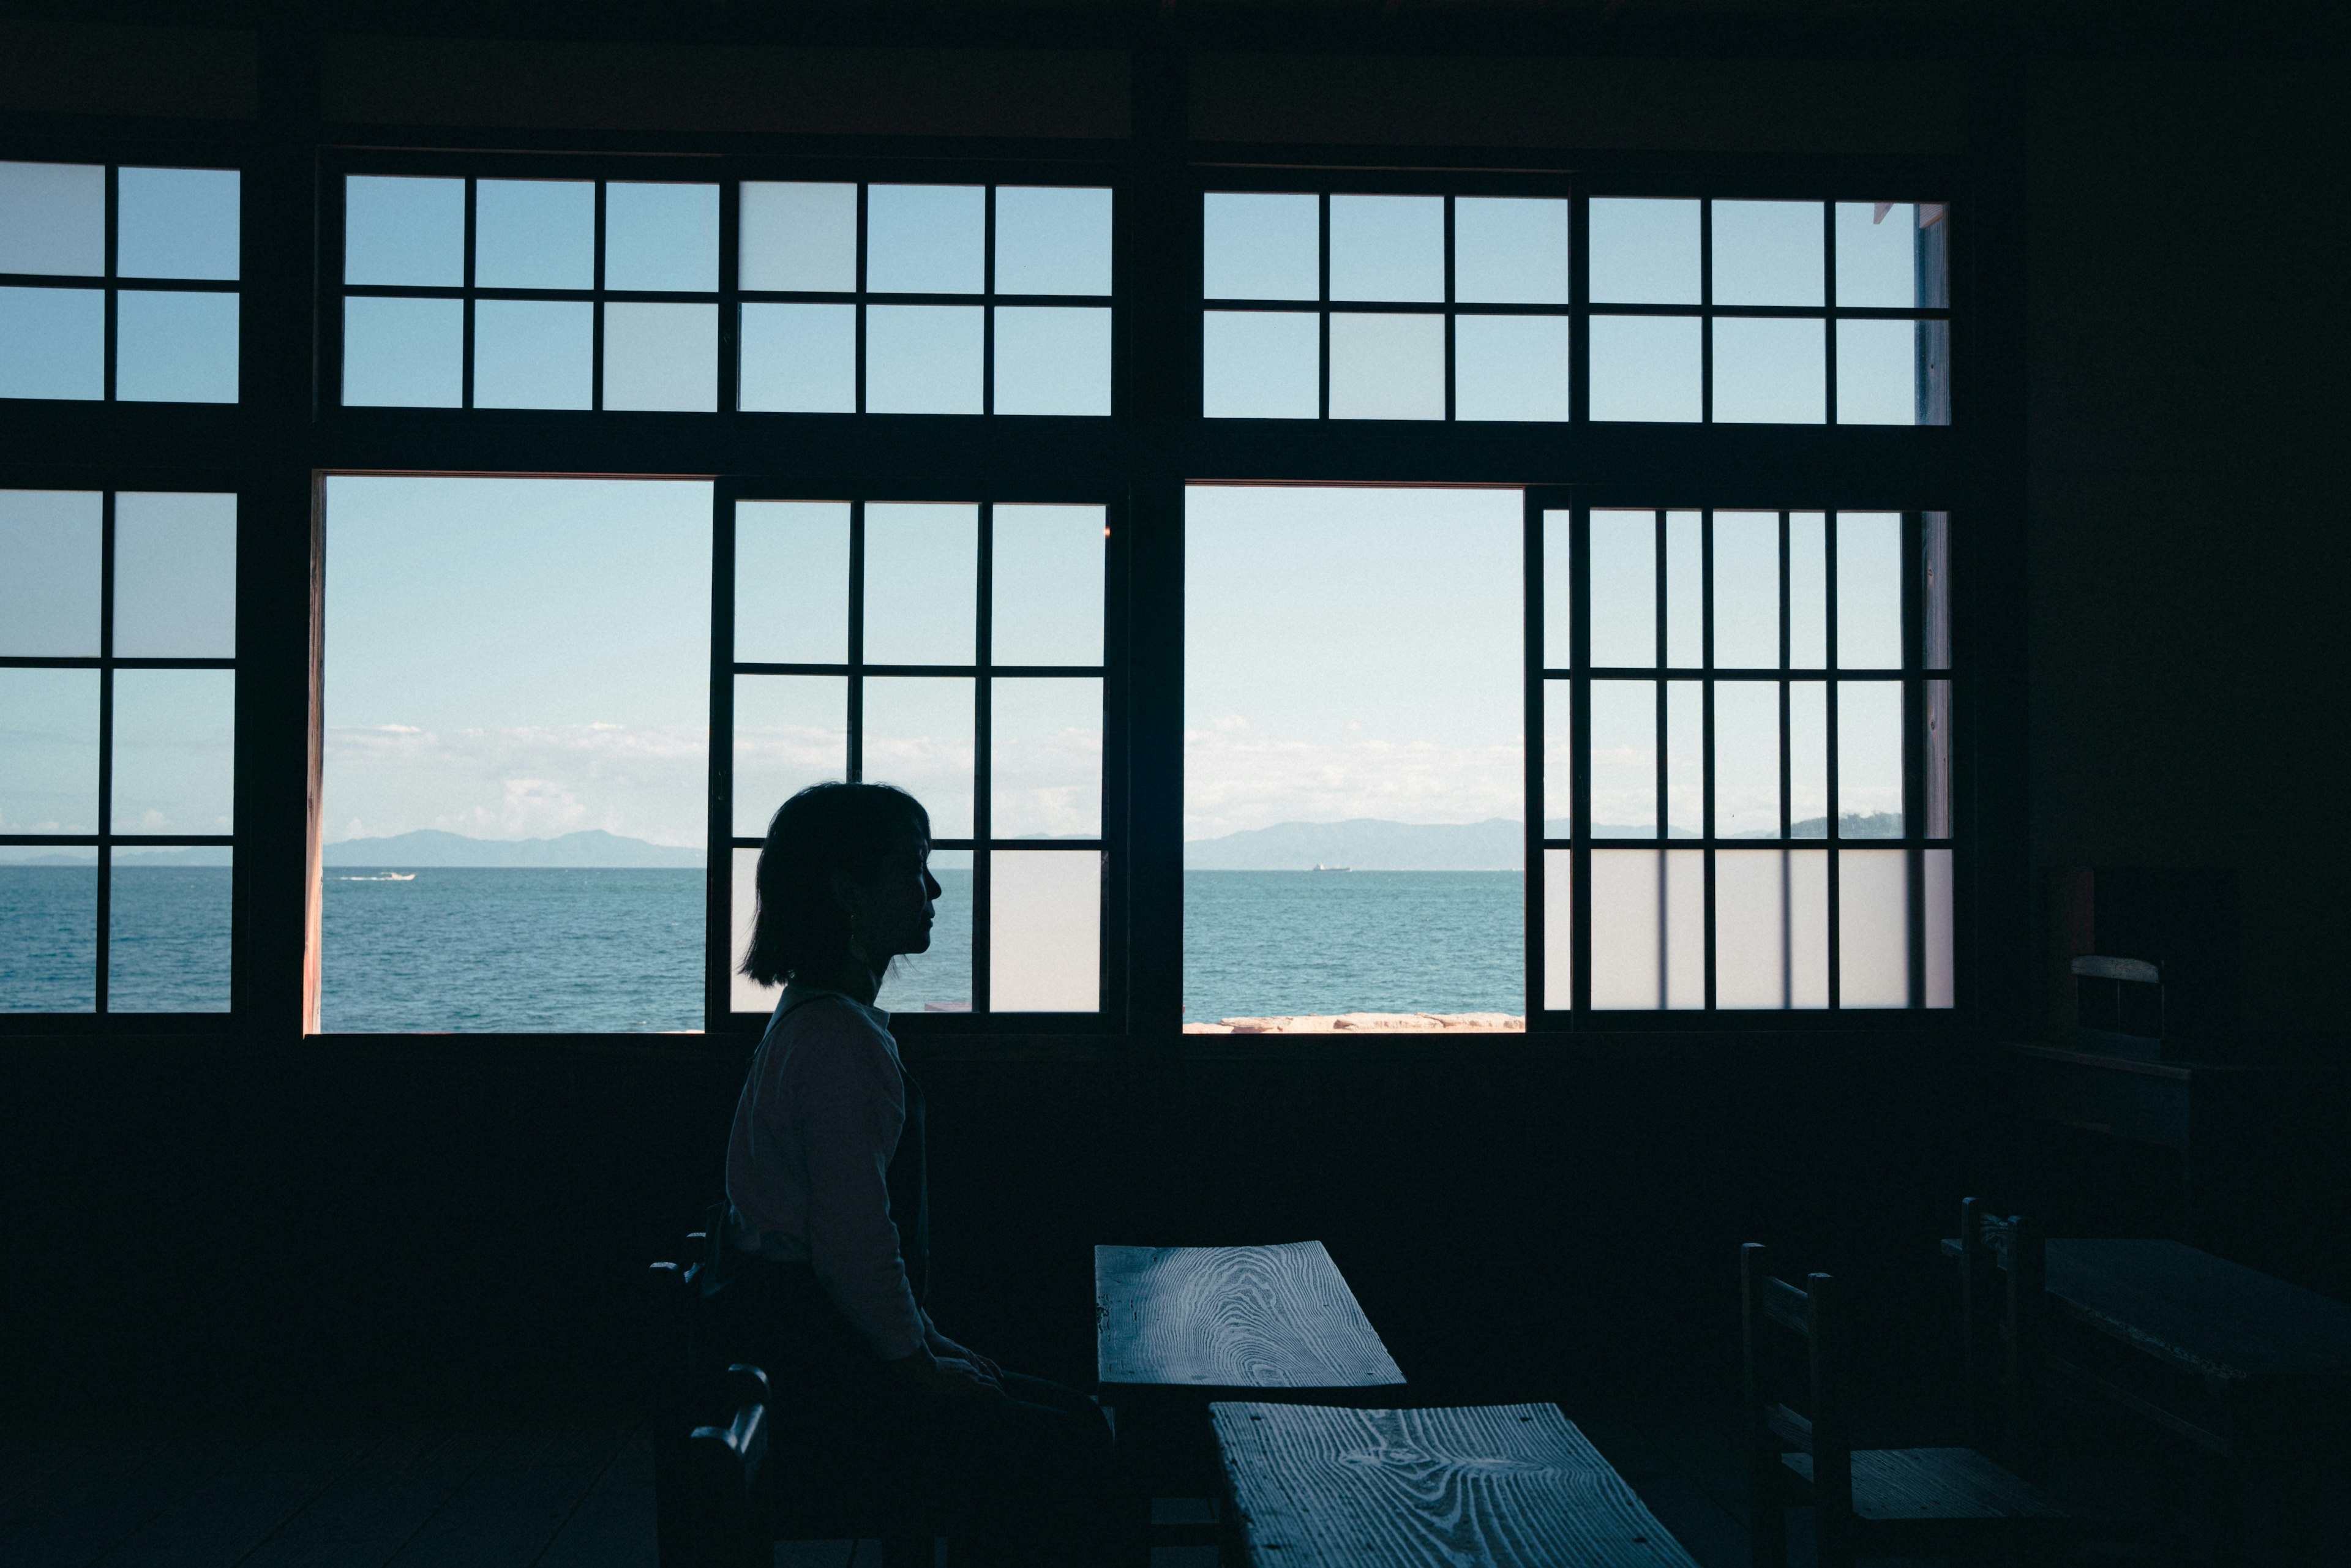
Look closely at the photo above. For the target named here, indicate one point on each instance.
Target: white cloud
(1230, 785)
(532, 781)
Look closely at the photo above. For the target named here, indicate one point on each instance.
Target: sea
(593, 950)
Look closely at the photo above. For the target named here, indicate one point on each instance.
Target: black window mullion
(718, 915)
(1705, 312)
(465, 359)
(1829, 321)
(1534, 725)
(1829, 829)
(1322, 290)
(1707, 827)
(1914, 751)
(596, 329)
(856, 760)
(987, 334)
(860, 400)
(1579, 552)
(730, 296)
(983, 818)
(107, 313)
(105, 911)
(1449, 316)
(1787, 788)
(1578, 310)
(1663, 690)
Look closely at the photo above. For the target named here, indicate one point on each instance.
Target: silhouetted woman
(827, 1229)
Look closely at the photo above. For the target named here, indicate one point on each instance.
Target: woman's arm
(849, 1101)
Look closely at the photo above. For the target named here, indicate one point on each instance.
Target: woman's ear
(844, 888)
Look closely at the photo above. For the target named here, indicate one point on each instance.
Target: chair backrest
(2003, 1306)
(724, 1459)
(689, 1388)
(1767, 1304)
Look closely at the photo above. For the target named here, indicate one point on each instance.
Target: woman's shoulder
(832, 1026)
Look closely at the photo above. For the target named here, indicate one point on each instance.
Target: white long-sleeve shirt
(807, 1162)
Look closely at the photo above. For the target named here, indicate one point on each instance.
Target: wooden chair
(2004, 1304)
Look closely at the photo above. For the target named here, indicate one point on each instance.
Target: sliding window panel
(53, 343)
(1509, 250)
(790, 731)
(1685, 759)
(1870, 759)
(168, 933)
(51, 553)
(174, 346)
(924, 359)
(1387, 366)
(1047, 584)
(1877, 254)
(939, 979)
(1261, 364)
(1052, 239)
(1751, 929)
(1808, 591)
(398, 230)
(1685, 592)
(1769, 370)
(1685, 929)
(799, 235)
(660, 358)
(661, 237)
(1045, 743)
(1869, 590)
(175, 575)
(1872, 928)
(1627, 915)
(1624, 591)
(53, 219)
(1644, 251)
(1260, 246)
(49, 751)
(1558, 759)
(1943, 974)
(922, 583)
(1558, 590)
(1559, 929)
(792, 582)
(533, 353)
(1044, 932)
(1646, 367)
(1808, 928)
(1052, 360)
(1747, 759)
(1808, 759)
(919, 736)
(1623, 759)
(1387, 248)
(1746, 590)
(799, 359)
(535, 234)
(925, 239)
(175, 751)
(1510, 367)
(1767, 253)
(744, 995)
(403, 354)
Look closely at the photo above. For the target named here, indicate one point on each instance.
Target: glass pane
(1769, 371)
(1645, 368)
(1872, 928)
(175, 348)
(1877, 254)
(1869, 590)
(1046, 739)
(940, 981)
(792, 582)
(1387, 367)
(1684, 929)
(175, 751)
(1559, 929)
(1623, 759)
(1558, 759)
(404, 352)
(175, 575)
(52, 342)
(923, 359)
(1627, 918)
(1261, 364)
(1387, 248)
(799, 359)
(1644, 252)
(1051, 240)
(533, 353)
(800, 235)
(1047, 582)
(661, 237)
(53, 218)
(1751, 929)
(48, 929)
(1509, 250)
(1870, 759)
(1261, 246)
(1746, 590)
(49, 751)
(744, 995)
(1685, 592)
(1625, 589)
(1877, 373)
(1509, 367)
(1558, 590)
(922, 586)
(1939, 759)
(400, 230)
(1808, 930)
(1935, 589)
(1045, 932)
(790, 731)
(1747, 759)
(919, 734)
(1808, 591)
(660, 357)
(50, 554)
(1685, 760)
(1941, 976)
(925, 239)
(535, 234)
(168, 939)
(1808, 759)
(1051, 361)
(1767, 253)
(175, 223)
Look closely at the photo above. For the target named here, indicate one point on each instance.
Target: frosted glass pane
(175, 575)
(1559, 929)
(1052, 360)
(799, 359)
(661, 237)
(175, 223)
(1558, 759)
(792, 582)
(1509, 250)
(49, 751)
(533, 353)
(660, 357)
(1627, 909)
(1873, 929)
(52, 343)
(1808, 591)
(744, 995)
(1387, 248)
(1045, 737)
(48, 929)
(1625, 589)
(1623, 759)
(1746, 590)
(1767, 253)
(1876, 254)
(940, 981)
(925, 239)
(799, 235)
(1685, 592)
(1387, 367)
(1260, 246)
(1808, 930)
(404, 352)
(1935, 589)
(53, 218)
(1558, 590)
(168, 949)
(1685, 759)
(1047, 582)
(923, 359)
(535, 234)
(919, 736)
(1869, 590)
(175, 348)
(401, 230)
(1941, 976)
(1751, 929)
(1045, 932)
(1939, 759)
(790, 731)
(1870, 759)
(1769, 371)
(175, 751)
(1747, 759)
(50, 557)
(1052, 240)
(1645, 368)
(1261, 364)
(921, 584)
(1684, 929)
(1877, 373)
(1644, 252)
(1510, 367)
(1808, 759)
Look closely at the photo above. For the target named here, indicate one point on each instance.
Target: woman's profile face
(894, 908)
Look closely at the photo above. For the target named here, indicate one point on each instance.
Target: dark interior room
(1574, 675)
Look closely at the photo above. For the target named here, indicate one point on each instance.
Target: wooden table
(1258, 1322)
(1495, 1485)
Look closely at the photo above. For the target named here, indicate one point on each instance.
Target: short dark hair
(798, 926)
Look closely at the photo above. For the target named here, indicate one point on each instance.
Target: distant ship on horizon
(1318, 865)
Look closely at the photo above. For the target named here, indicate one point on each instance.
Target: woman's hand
(947, 1349)
(948, 1376)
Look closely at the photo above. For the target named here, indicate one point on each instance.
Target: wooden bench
(1495, 1485)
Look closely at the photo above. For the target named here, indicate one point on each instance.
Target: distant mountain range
(1368, 843)
(432, 847)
